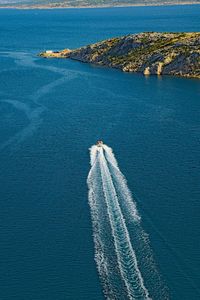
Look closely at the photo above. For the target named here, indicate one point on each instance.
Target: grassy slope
(148, 53)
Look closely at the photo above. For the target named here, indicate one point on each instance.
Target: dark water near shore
(52, 111)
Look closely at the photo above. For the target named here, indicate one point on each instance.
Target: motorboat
(99, 143)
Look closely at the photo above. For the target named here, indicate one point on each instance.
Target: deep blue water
(52, 111)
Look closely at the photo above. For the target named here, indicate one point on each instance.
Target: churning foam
(125, 272)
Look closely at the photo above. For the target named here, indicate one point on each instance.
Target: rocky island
(148, 53)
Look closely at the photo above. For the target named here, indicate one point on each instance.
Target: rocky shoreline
(150, 53)
(109, 5)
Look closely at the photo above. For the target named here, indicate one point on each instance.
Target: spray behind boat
(122, 251)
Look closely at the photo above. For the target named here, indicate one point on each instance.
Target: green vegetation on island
(148, 53)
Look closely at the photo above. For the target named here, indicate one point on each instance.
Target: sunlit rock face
(157, 53)
(148, 53)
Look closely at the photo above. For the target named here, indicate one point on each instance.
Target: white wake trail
(128, 202)
(122, 253)
(126, 257)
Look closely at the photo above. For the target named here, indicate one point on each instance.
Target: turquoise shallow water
(52, 111)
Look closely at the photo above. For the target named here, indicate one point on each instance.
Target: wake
(122, 252)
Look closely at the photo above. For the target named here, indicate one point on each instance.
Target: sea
(52, 111)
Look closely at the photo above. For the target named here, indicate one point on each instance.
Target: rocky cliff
(147, 53)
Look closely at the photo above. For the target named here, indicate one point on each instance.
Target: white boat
(99, 143)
